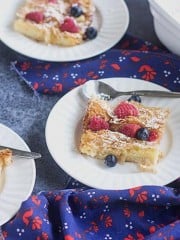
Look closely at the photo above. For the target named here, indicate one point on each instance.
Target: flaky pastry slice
(112, 130)
(5, 158)
(51, 21)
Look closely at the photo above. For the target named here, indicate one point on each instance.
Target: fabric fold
(130, 58)
(148, 212)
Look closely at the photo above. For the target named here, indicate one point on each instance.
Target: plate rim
(61, 165)
(29, 190)
(49, 57)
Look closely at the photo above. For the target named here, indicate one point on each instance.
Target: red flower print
(80, 81)
(25, 66)
(162, 191)
(103, 64)
(65, 75)
(141, 197)
(90, 74)
(132, 191)
(47, 66)
(95, 77)
(115, 66)
(148, 71)
(141, 214)
(46, 90)
(144, 48)
(171, 224)
(155, 48)
(78, 235)
(127, 212)
(36, 223)
(5, 234)
(36, 85)
(68, 237)
(57, 87)
(125, 52)
(36, 200)
(125, 44)
(44, 236)
(172, 238)
(105, 198)
(140, 236)
(152, 229)
(135, 59)
(94, 227)
(108, 222)
(129, 237)
(26, 216)
(57, 198)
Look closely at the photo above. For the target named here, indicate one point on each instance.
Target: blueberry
(90, 33)
(135, 98)
(142, 134)
(76, 11)
(110, 160)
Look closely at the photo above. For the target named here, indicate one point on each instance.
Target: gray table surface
(26, 114)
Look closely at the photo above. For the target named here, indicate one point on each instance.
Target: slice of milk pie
(129, 131)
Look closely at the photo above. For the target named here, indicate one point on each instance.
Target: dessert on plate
(58, 22)
(126, 132)
(5, 158)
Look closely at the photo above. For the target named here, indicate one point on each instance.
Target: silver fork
(107, 92)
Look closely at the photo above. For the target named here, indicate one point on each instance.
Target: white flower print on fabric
(20, 231)
(108, 237)
(167, 73)
(91, 194)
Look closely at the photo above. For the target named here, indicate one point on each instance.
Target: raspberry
(36, 16)
(130, 129)
(97, 123)
(153, 135)
(69, 26)
(125, 109)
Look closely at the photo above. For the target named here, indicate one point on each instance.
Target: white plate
(17, 180)
(111, 19)
(62, 137)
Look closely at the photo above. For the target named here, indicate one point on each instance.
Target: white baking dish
(166, 17)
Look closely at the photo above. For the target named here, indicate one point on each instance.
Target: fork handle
(155, 93)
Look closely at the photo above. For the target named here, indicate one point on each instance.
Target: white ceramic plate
(17, 180)
(62, 137)
(111, 19)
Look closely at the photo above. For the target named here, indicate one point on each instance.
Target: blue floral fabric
(130, 58)
(140, 213)
(83, 213)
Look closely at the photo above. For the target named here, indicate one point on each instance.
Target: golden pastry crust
(101, 143)
(54, 14)
(5, 158)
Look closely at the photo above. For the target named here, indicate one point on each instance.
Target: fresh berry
(135, 98)
(90, 33)
(125, 109)
(52, 1)
(36, 16)
(76, 11)
(69, 26)
(153, 135)
(142, 134)
(97, 123)
(130, 129)
(110, 160)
